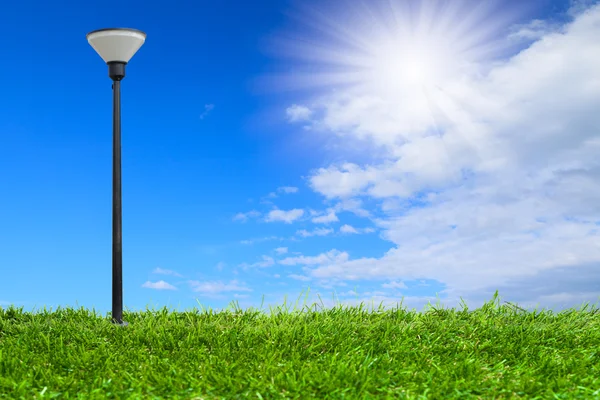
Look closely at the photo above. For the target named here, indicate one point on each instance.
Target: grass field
(495, 352)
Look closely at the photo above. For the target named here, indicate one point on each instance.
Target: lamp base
(116, 70)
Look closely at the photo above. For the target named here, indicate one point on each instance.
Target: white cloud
(326, 218)
(273, 195)
(331, 257)
(507, 190)
(576, 7)
(260, 240)
(215, 287)
(343, 181)
(297, 113)
(299, 277)
(316, 232)
(207, 109)
(243, 217)
(160, 285)
(287, 189)
(220, 265)
(161, 271)
(348, 229)
(352, 205)
(267, 261)
(394, 285)
(284, 216)
(281, 250)
(533, 30)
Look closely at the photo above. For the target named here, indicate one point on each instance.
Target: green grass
(495, 352)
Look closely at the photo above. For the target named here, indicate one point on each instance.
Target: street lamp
(116, 46)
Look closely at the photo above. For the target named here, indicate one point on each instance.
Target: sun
(408, 62)
(395, 49)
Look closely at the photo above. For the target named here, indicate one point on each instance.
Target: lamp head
(116, 46)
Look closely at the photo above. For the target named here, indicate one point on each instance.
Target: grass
(495, 352)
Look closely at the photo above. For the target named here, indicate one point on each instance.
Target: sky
(391, 153)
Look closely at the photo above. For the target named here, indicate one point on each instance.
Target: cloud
(490, 180)
(260, 240)
(533, 30)
(316, 232)
(284, 216)
(273, 195)
(216, 287)
(266, 262)
(577, 7)
(326, 218)
(299, 277)
(349, 229)
(281, 250)
(329, 258)
(160, 285)
(287, 189)
(207, 109)
(166, 272)
(243, 217)
(343, 181)
(394, 285)
(352, 205)
(220, 265)
(297, 113)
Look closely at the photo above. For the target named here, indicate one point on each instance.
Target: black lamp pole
(116, 72)
(116, 46)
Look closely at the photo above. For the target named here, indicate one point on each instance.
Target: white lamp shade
(119, 44)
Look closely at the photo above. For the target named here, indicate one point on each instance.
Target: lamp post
(116, 46)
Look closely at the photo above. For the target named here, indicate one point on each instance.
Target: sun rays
(402, 52)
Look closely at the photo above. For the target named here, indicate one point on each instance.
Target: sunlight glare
(405, 65)
(404, 53)
(384, 45)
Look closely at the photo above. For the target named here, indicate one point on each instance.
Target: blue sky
(273, 146)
